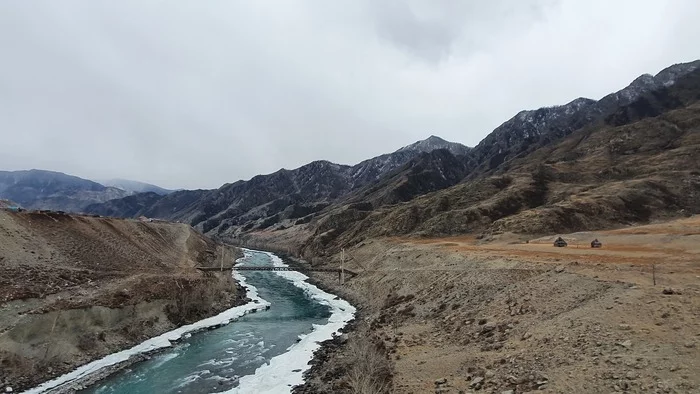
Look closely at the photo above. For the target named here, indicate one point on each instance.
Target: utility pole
(342, 271)
(223, 251)
(653, 273)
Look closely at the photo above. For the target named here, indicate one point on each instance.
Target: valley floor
(461, 315)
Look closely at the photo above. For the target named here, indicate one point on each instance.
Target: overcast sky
(197, 93)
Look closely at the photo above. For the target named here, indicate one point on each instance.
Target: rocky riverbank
(77, 288)
(462, 315)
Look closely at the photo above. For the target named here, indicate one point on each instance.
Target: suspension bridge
(342, 272)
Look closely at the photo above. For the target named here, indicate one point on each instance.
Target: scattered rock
(625, 344)
(670, 291)
(8, 389)
(477, 382)
(689, 345)
(625, 327)
(482, 322)
(440, 381)
(526, 336)
(508, 392)
(559, 269)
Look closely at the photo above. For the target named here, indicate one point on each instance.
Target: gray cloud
(195, 94)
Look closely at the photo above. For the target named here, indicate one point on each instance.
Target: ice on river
(286, 370)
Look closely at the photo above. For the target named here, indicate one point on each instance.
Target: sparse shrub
(86, 342)
(195, 299)
(370, 372)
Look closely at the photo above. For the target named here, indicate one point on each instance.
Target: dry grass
(370, 372)
(194, 299)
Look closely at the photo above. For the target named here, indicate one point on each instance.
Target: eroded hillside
(74, 288)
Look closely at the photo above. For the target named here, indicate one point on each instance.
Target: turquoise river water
(214, 360)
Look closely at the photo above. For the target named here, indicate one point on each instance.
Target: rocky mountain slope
(636, 164)
(584, 164)
(529, 130)
(290, 195)
(128, 207)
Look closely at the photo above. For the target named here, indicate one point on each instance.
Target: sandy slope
(503, 314)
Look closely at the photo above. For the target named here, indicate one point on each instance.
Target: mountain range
(629, 157)
(40, 189)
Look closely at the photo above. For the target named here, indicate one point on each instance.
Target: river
(262, 352)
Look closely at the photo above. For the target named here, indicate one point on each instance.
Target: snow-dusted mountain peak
(433, 143)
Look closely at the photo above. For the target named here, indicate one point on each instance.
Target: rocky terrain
(75, 288)
(629, 157)
(515, 314)
(459, 286)
(286, 196)
(129, 206)
(612, 174)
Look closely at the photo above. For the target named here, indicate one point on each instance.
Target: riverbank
(276, 375)
(462, 314)
(290, 368)
(365, 362)
(77, 288)
(97, 370)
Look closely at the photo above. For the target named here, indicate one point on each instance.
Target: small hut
(596, 244)
(559, 242)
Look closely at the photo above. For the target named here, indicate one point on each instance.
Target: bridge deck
(250, 268)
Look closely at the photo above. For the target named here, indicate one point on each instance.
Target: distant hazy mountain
(7, 203)
(39, 189)
(135, 186)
